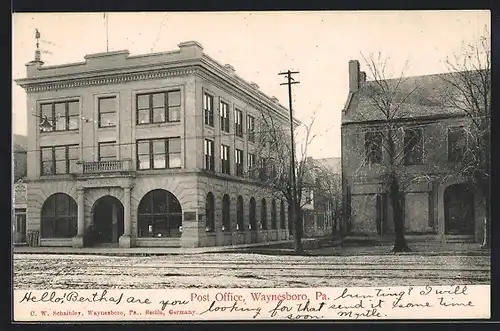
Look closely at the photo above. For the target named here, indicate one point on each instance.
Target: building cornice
(430, 118)
(113, 78)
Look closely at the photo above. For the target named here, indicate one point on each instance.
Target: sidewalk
(427, 249)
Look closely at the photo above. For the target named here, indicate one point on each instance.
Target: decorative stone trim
(112, 79)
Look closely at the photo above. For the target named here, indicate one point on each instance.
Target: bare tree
(469, 90)
(328, 192)
(390, 99)
(274, 171)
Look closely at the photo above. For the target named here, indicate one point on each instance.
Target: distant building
(316, 215)
(19, 150)
(20, 206)
(446, 209)
(148, 151)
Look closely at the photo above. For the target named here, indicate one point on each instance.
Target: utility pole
(298, 223)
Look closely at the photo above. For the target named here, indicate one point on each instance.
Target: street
(235, 270)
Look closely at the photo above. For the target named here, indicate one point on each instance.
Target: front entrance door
(108, 220)
(459, 210)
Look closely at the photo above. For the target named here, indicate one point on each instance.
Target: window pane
(174, 98)
(47, 111)
(159, 161)
(60, 153)
(73, 166)
(159, 146)
(74, 122)
(107, 151)
(74, 108)
(144, 162)
(61, 167)
(47, 167)
(62, 205)
(174, 145)
(174, 160)
(107, 119)
(143, 147)
(158, 115)
(158, 100)
(143, 101)
(73, 152)
(174, 114)
(47, 154)
(60, 109)
(143, 116)
(60, 122)
(107, 105)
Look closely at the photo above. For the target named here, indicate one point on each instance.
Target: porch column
(78, 240)
(124, 240)
(81, 214)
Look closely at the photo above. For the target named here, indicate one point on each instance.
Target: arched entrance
(458, 210)
(108, 220)
(159, 215)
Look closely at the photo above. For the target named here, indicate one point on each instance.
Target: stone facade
(124, 77)
(427, 184)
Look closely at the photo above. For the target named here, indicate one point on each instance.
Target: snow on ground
(219, 270)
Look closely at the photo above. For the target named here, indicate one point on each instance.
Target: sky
(259, 45)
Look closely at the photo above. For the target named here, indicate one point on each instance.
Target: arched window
(273, 214)
(252, 220)
(226, 218)
(282, 215)
(239, 214)
(263, 214)
(59, 217)
(159, 215)
(210, 212)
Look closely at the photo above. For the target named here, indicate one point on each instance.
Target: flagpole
(106, 23)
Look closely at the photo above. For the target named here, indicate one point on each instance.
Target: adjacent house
(19, 158)
(438, 204)
(319, 200)
(148, 150)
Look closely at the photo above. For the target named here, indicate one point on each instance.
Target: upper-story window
(251, 165)
(413, 146)
(57, 160)
(107, 151)
(107, 112)
(209, 155)
(239, 162)
(251, 128)
(163, 153)
(373, 147)
(208, 109)
(457, 143)
(159, 107)
(63, 116)
(224, 116)
(238, 122)
(224, 156)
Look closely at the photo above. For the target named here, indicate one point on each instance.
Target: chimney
(354, 75)
(254, 85)
(275, 99)
(362, 78)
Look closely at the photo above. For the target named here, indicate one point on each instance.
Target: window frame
(209, 161)
(53, 159)
(52, 120)
(238, 123)
(151, 154)
(452, 150)
(238, 155)
(151, 108)
(369, 149)
(224, 116)
(106, 144)
(99, 112)
(251, 128)
(409, 156)
(208, 114)
(225, 158)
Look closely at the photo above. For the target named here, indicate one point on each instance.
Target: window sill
(58, 132)
(156, 125)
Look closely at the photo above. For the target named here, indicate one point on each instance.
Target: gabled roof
(424, 97)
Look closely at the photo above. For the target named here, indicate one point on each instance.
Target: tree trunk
(334, 225)
(486, 230)
(298, 230)
(400, 244)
